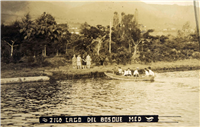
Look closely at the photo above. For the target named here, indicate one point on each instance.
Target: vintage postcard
(100, 63)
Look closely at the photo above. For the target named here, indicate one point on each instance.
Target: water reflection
(172, 93)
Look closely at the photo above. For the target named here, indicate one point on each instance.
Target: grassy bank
(183, 64)
(21, 70)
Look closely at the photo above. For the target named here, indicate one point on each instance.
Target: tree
(115, 20)
(185, 32)
(130, 32)
(44, 31)
(99, 41)
(127, 23)
(137, 38)
(10, 35)
(65, 39)
(194, 36)
(136, 16)
(96, 35)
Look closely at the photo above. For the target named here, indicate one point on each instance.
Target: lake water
(171, 94)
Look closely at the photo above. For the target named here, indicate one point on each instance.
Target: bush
(17, 56)
(5, 57)
(196, 55)
(122, 56)
(57, 61)
(30, 59)
(106, 62)
(41, 61)
(98, 60)
(69, 54)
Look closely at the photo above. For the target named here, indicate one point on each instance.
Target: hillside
(12, 10)
(153, 16)
(177, 14)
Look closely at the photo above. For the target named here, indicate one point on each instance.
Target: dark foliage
(28, 38)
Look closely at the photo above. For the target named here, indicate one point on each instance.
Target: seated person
(151, 73)
(127, 72)
(120, 71)
(136, 73)
(115, 70)
(146, 72)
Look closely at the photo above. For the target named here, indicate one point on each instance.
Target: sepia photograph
(100, 63)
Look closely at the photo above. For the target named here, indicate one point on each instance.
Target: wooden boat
(131, 78)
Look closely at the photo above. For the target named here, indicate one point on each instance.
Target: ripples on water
(172, 94)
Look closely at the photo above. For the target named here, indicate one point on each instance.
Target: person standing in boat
(79, 62)
(151, 73)
(88, 61)
(74, 62)
(146, 72)
(136, 73)
(127, 72)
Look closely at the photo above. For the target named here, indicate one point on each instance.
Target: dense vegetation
(34, 40)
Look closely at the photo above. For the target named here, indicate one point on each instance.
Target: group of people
(128, 72)
(80, 63)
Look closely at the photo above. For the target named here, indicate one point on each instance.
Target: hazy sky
(178, 2)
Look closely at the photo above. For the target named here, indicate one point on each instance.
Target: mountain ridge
(151, 15)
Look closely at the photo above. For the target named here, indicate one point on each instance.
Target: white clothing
(128, 72)
(151, 73)
(120, 71)
(78, 61)
(88, 60)
(146, 73)
(136, 72)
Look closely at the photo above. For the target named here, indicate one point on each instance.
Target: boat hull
(129, 78)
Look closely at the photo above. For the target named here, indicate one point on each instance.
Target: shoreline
(67, 71)
(95, 74)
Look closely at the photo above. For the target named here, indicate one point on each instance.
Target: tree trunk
(11, 53)
(35, 60)
(186, 54)
(66, 49)
(45, 51)
(57, 53)
(110, 38)
(129, 47)
(99, 46)
(135, 52)
(98, 49)
(34, 55)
